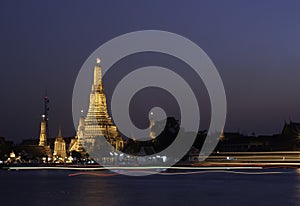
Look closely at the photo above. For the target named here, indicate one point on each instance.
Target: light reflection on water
(57, 188)
(295, 199)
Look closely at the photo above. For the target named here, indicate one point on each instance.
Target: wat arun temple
(97, 122)
(97, 129)
(96, 125)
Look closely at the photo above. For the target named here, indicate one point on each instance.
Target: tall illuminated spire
(97, 113)
(98, 73)
(43, 131)
(97, 122)
(152, 123)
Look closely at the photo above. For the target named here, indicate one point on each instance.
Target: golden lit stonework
(43, 137)
(97, 121)
(43, 131)
(59, 146)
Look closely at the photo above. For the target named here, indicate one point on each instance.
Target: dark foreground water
(55, 188)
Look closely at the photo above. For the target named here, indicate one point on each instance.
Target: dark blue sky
(255, 47)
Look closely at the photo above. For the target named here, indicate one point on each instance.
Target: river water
(53, 188)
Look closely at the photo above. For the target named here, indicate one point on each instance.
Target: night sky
(255, 47)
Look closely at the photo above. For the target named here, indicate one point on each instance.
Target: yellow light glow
(98, 60)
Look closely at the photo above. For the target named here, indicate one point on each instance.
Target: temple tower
(44, 123)
(97, 122)
(222, 135)
(152, 123)
(76, 144)
(59, 146)
(43, 131)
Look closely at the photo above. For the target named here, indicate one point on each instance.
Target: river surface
(53, 188)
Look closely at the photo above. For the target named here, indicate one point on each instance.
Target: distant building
(76, 144)
(5, 147)
(287, 140)
(43, 131)
(43, 137)
(152, 133)
(59, 146)
(35, 149)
